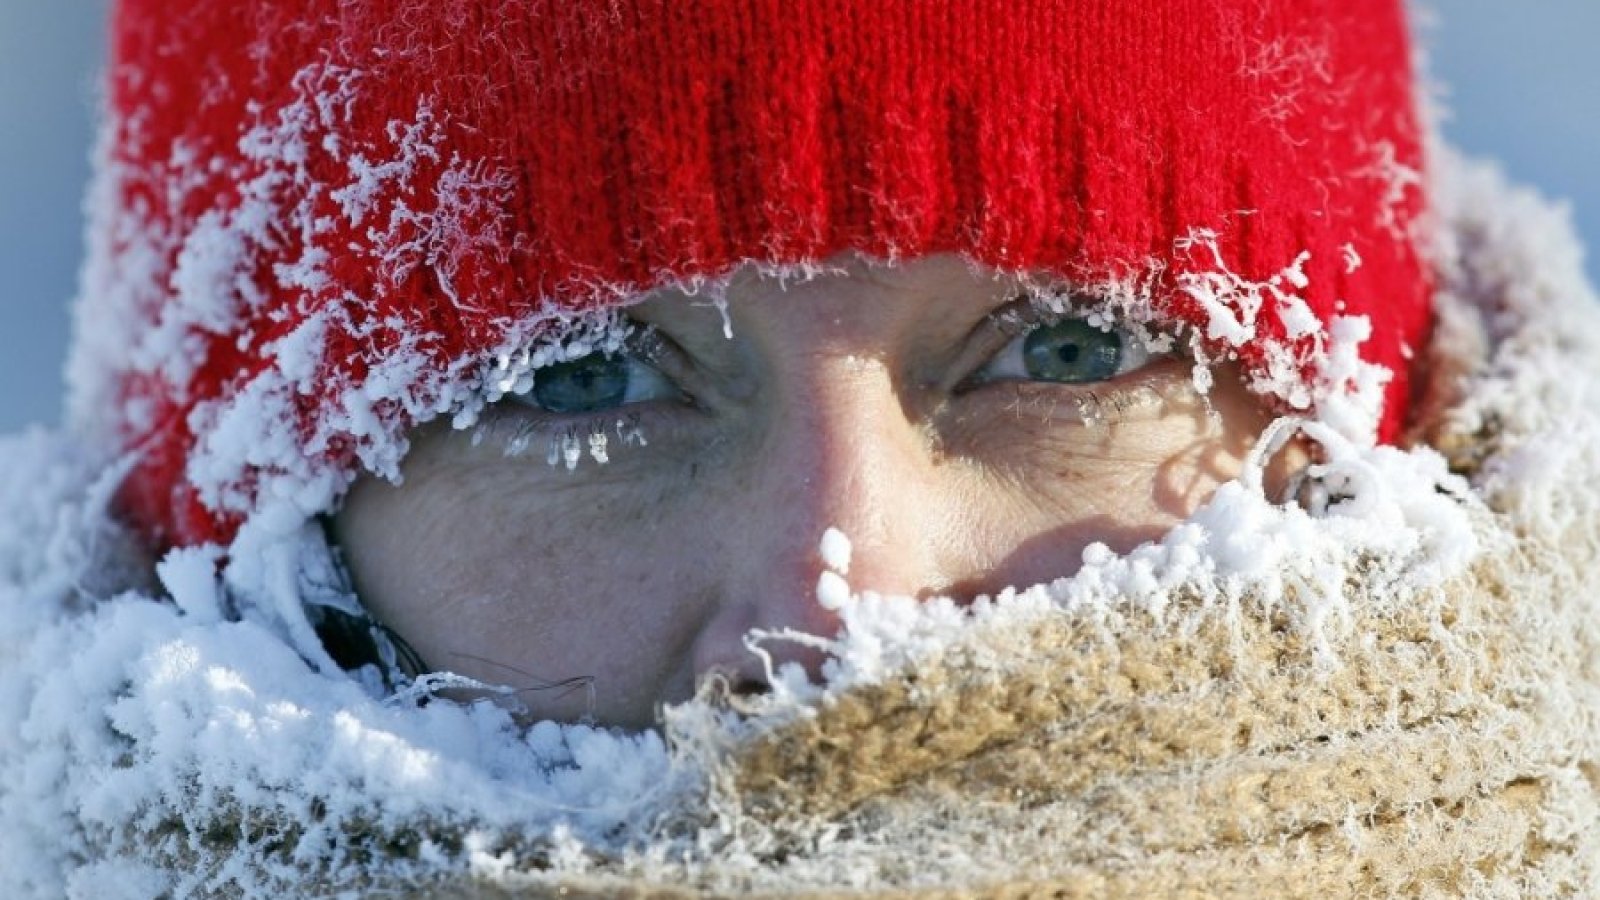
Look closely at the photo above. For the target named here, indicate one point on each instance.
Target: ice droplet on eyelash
(631, 434)
(835, 549)
(571, 450)
(597, 447)
(833, 592)
(565, 449)
(1090, 412)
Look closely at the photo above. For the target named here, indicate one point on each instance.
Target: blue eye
(596, 383)
(1069, 351)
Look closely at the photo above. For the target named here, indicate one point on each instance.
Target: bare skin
(885, 402)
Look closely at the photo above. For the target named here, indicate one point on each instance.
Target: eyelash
(565, 438)
(1009, 325)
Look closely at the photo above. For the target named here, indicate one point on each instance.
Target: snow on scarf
(1393, 692)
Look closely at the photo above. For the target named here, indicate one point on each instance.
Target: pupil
(1068, 354)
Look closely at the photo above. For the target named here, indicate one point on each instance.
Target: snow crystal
(835, 550)
(190, 575)
(833, 592)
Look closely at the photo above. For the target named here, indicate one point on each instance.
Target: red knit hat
(319, 222)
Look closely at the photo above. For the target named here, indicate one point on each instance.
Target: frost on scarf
(193, 739)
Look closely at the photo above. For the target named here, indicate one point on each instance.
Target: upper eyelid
(652, 346)
(993, 332)
(1018, 316)
(655, 348)
(1026, 312)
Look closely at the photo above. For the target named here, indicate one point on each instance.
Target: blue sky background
(1523, 87)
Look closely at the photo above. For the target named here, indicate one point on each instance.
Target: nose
(838, 451)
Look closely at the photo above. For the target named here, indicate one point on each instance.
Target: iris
(594, 382)
(1071, 351)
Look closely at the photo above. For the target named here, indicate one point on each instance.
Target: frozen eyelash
(568, 445)
(565, 444)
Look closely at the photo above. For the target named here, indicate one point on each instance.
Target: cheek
(1045, 488)
(489, 572)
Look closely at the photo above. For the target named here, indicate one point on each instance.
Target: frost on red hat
(318, 223)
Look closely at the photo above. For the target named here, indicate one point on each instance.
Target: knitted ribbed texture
(390, 189)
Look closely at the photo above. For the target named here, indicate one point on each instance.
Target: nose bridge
(848, 457)
(839, 452)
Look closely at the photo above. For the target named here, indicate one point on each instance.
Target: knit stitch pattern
(326, 213)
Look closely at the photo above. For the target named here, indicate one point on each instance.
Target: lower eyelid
(1047, 396)
(661, 424)
(1120, 398)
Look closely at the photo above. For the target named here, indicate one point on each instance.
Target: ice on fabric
(254, 456)
(192, 738)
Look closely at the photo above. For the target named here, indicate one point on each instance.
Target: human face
(960, 452)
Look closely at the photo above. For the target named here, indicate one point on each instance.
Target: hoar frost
(136, 720)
